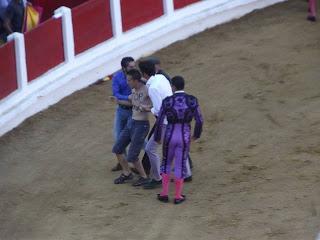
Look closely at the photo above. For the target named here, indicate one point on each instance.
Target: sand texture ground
(257, 165)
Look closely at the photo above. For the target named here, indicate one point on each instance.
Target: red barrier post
(183, 3)
(91, 24)
(44, 48)
(136, 13)
(8, 76)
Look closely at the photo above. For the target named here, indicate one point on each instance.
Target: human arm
(159, 125)
(116, 81)
(7, 24)
(156, 100)
(9, 15)
(125, 103)
(121, 102)
(199, 123)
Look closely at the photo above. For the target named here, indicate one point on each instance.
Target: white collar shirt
(158, 89)
(179, 91)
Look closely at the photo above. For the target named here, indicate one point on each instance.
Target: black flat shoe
(140, 182)
(164, 199)
(188, 179)
(152, 184)
(180, 200)
(123, 178)
(311, 18)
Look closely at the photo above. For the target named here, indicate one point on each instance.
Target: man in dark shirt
(179, 109)
(14, 16)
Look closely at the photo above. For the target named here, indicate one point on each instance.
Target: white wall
(104, 59)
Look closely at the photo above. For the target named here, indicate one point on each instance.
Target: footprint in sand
(252, 146)
(119, 205)
(313, 150)
(65, 208)
(273, 120)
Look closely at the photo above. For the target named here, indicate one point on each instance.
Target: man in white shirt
(158, 89)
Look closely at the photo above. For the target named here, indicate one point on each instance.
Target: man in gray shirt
(135, 131)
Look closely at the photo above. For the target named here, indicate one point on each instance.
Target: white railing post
(115, 9)
(21, 62)
(67, 31)
(168, 7)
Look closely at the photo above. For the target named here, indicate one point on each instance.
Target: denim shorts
(134, 133)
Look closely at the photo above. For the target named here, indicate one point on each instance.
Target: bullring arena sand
(257, 165)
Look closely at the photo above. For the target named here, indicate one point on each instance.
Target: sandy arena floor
(256, 168)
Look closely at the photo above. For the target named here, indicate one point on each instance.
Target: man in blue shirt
(121, 90)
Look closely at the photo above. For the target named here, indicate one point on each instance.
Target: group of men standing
(139, 94)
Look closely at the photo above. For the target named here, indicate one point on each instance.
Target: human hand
(145, 108)
(113, 99)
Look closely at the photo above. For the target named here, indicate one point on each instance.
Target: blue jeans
(121, 118)
(134, 134)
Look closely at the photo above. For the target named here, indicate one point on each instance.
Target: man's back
(180, 107)
(159, 88)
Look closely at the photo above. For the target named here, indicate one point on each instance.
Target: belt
(125, 107)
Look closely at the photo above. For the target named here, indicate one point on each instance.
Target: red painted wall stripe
(50, 5)
(44, 48)
(8, 76)
(91, 24)
(182, 3)
(137, 12)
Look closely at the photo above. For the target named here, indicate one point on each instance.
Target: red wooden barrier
(182, 3)
(135, 13)
(50, 5)
(8, 76)
(91, 24)
(44, 48)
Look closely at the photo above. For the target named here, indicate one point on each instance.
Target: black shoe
(152, 184)
(188, 179)
(180, 200)
(311, 18)
(116, 168)
(164, 199)
(141, 181)
(123, 178)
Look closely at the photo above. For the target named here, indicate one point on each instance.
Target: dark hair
(178, 82)
(153, 59)
(135, 74)
(125, 61)
(147, 67)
